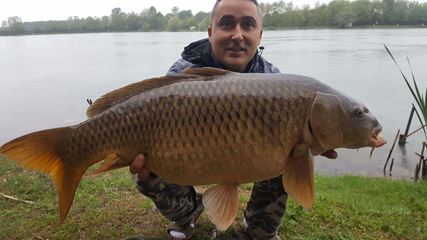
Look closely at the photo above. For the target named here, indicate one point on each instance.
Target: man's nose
(237, 34)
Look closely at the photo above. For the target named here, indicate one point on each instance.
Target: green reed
(419, 97)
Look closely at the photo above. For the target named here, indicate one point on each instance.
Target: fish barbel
(206, 126)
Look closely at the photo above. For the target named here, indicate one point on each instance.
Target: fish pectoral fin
(298, 177)
(221, 204)
(112, 161)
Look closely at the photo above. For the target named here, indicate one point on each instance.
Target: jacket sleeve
(179, 66)
(268, 67)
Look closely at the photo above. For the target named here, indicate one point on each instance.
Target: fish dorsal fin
(206, 71)
(221, 204)
(107, 100)
(298, 177)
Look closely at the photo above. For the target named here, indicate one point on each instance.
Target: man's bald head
(254, 1)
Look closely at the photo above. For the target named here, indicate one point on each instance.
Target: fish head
(360, 127)
(337, 121)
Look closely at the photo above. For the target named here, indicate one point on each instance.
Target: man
(234, 35)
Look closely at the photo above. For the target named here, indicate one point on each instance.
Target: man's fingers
(137, 164)
(143, 174)
(138, 167)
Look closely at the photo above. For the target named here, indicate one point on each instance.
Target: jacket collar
(200, 53)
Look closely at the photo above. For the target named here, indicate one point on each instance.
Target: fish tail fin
(42, 151)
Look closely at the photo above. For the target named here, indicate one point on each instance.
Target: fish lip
(377, 139)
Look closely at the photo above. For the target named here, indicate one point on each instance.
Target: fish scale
(220, 131)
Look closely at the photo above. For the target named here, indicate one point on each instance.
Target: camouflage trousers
(263, 214)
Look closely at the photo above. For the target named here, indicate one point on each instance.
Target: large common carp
(206, 126)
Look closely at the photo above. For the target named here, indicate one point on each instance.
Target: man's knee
(266, 208)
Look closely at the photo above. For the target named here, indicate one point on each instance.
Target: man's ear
(210, 32)
(325, 119)
(260, 37)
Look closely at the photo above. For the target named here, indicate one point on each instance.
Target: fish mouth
(377, 139)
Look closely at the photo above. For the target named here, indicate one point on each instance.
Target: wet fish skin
(206, 127)
(190, 132)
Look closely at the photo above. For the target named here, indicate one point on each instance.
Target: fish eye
(358, 113)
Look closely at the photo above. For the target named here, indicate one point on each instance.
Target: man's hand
(330, 154)
(138, 167)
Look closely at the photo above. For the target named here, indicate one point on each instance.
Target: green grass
(109, 207)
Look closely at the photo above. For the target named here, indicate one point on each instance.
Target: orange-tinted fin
(41, 151)
(221, 204)
(110, 163)
(206, 71)
(298, 177)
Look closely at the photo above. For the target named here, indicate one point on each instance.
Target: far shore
(2, 34)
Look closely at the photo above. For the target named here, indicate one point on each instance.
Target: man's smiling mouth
(236, 49)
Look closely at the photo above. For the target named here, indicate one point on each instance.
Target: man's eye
(248, 24)
(226, 23)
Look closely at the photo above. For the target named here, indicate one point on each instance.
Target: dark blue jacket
(199, 54)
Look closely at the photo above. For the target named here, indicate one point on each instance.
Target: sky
(41, 10)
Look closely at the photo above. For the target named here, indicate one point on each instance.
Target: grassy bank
(109, 207)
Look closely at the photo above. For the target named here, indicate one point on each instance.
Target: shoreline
(265, 29)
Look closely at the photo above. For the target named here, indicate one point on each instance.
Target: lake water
(45, 80)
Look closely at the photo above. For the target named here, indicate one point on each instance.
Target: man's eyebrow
(226, 17)
(249, 18)
(246, 18)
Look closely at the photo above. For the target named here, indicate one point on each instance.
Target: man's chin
(235, 54)
(235, 64)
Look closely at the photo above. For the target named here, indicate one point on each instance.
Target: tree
(401, 12)
(91, 24)
(4, 24)
(173, 24)
(363, 11)
(344, 18)
(151, 20)
(278, 7)
(279, 14)
(133, 22)
(342, 13)
(202, 20)
(389, 11)
(15, 25)
(186, 19)
(118, 20)
(175, 10)
(185, 14)
(105, 23)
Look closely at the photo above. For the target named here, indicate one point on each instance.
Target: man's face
(235, 33)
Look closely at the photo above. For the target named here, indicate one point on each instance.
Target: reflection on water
(403, 156)
(45, 80)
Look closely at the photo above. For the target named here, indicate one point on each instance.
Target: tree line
(277, 15)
